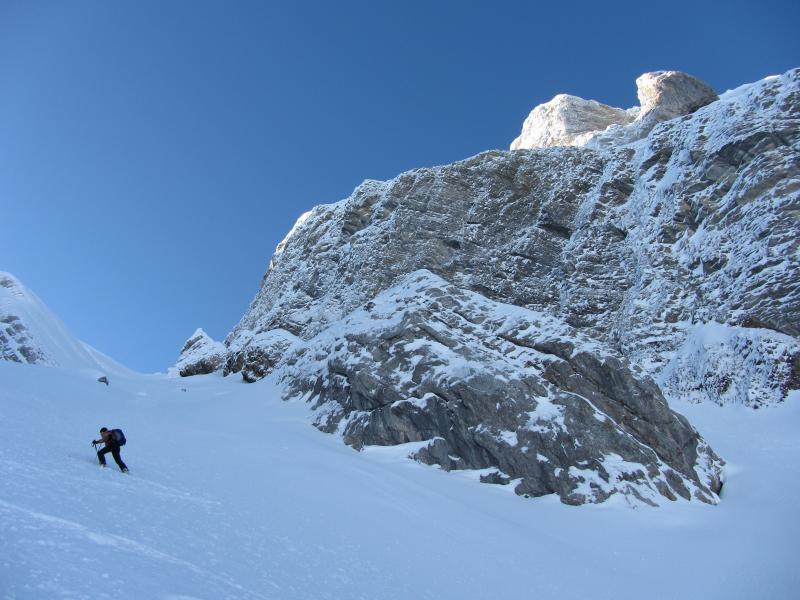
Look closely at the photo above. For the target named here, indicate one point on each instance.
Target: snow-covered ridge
(31, 333)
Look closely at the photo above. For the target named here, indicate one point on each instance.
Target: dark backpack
(118, 436)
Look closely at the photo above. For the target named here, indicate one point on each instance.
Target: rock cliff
(200, 355)
(657, 256)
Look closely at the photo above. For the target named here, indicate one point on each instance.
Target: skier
(111, 445)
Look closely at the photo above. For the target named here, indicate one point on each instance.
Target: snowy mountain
(31, 333)
(661, 242)
(232, 494)
(563, 321)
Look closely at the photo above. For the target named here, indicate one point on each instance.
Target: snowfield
(233, 494)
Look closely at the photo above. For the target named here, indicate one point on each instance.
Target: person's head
(103, 429)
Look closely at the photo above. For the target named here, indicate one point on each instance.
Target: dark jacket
(107, 438)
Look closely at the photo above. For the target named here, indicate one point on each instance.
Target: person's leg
(118, 459)
(101, 455)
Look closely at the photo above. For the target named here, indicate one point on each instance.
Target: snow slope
(233, 495)
(31, 333)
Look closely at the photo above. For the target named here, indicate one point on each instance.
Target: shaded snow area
(232, 494)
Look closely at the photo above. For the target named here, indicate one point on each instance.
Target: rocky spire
(200, 354)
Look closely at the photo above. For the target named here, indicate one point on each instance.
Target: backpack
(119, 437)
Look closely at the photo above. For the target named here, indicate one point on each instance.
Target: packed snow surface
(233, 495)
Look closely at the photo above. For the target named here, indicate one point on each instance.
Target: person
(110, 445)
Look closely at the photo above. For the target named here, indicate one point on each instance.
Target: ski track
(118, 542)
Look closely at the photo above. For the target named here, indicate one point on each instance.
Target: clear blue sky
(152, 154)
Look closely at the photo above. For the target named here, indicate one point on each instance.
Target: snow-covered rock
(571, 121)
(567, 121)
(255, 355)
(692, 224)
(670, 94)
(731, 365)
(200, 354)
(635, 241)
(31, 333)
(517, 394)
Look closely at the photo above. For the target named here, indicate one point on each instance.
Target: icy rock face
(201, 354)
(713, 234)
(567, 121)
(728, 364)
(515, 393)
(256, 355)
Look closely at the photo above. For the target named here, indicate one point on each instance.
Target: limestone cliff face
(634, 243)
(515, 393)
(664, 249)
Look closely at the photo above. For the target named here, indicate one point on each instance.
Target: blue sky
(152, 154)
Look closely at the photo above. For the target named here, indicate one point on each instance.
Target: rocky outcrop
(567, 121)
(634, 244)
(637, 244)
(572, 121)
(669, 94)
(514, 393)
(728, 364)
(200, 355)
(256, 355)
